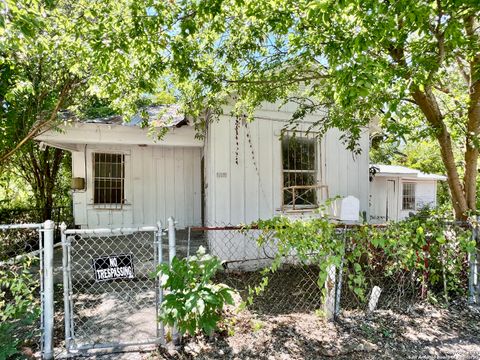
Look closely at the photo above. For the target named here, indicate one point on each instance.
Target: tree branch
(34, 131)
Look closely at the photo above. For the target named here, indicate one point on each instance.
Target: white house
(397, 191)
(237, 173)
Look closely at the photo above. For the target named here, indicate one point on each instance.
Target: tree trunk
(41, 169)
(473, 119)
(428, 105)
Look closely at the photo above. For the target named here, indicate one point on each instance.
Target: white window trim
(414, 195)
(318, 174)
(91, 179)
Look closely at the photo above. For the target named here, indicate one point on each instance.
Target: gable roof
(402, 171)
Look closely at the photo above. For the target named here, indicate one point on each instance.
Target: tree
(413, 64)
(56, 55)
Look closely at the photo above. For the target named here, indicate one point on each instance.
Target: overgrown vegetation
(193, 303)
(19, 306)
(422, 257)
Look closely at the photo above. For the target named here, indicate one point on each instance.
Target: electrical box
(78, 183)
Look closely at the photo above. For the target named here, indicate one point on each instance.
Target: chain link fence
(21, 289)
(369, 275)
(411, 271)
(291, 288)
(111, 292)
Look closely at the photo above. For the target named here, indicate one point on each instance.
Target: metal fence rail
(111, 294)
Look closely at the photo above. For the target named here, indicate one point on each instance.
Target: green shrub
(19, 308)
(427, 247)
(192, 301)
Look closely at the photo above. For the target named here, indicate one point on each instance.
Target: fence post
(330, 292)
(171, 254)
(473, 278)
(66, 286)
(158, 235)
(171, 239)
(339, 279)
(48, 313)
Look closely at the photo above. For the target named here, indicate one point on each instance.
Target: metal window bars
(298, 193)
(109, 180)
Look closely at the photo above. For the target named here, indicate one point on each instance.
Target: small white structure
(349, 209)
(238, 173)
(397, 191)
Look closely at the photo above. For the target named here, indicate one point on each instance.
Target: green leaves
(19, 307)
(411, 248)
(193, 302)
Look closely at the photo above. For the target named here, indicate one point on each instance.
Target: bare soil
(421, 332)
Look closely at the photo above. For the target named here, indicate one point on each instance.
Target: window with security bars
(109, 180)
(408, 196)
(299, 172)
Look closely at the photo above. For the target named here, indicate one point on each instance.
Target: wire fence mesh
(402, 272)
(21, 289)
(430, 263)
(112, 289)
(292, 288)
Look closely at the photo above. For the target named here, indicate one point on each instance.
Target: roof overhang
(405, 173)
(70, 135)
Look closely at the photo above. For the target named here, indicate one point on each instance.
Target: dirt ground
(421, 332)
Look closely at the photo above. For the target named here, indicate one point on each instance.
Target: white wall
(425, 194)
(251, 189)
(160, 181)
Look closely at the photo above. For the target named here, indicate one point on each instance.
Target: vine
(429, 248)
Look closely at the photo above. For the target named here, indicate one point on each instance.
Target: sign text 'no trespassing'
(113, 267)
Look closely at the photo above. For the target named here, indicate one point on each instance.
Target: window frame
(109, 205)
(413, 197)
(314, 171)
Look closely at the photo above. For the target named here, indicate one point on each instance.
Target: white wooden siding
(251, 189)
(425, 194)
(160, 182)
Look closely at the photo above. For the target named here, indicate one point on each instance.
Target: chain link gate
(111, 294)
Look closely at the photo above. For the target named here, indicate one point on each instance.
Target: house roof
(157, 116)
(402, 171)
(75, 133)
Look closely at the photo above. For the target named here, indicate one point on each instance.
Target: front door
(391, 205)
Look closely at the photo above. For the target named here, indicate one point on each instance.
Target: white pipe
(110, 231)
(161, 327)
(171, 239)
(48, 311)
(20, 226)
(171, 255)
(66, 289)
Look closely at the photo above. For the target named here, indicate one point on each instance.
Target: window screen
(299, 172)
(408, 198)
(109, 175)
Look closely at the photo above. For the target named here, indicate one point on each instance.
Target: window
(299, 172)
(109, 180)
(408, 196)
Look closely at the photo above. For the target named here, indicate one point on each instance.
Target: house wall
(425, 194)
(160, 181)
(243, 177)
(244, 168)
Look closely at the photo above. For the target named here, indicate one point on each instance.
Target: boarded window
(299, 172)
(109, 179)
(408, 196)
